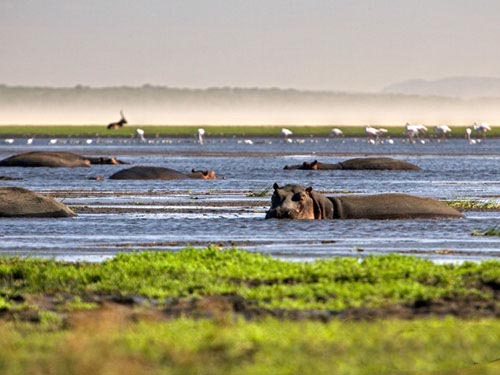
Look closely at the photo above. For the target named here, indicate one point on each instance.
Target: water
(121, 216)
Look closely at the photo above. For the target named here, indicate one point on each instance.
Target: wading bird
(201, 133)
(336, 132)
(286, 132)
(482, 127)
(140, 134)
(442, 130)
(414, 131)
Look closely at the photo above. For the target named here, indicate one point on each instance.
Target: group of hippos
(289, 201)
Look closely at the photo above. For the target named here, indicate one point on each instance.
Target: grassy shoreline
(211, 130)
(213, 311)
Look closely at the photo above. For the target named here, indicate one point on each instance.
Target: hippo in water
(20, 202)
(160, 173)
(299, 202)
(359, 164)
(55, 159)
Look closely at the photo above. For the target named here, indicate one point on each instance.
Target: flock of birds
(414, 133)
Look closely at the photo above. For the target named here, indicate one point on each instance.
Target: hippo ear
(304, 164)
(309, 190)
(276, 186)
(193, 170)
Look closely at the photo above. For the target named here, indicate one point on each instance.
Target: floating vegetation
(259, 193)
(494, 231)
(472, 204)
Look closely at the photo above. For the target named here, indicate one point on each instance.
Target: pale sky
(346, 45)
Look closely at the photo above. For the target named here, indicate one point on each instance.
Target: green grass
(471, 204)
(333, 284)
(211, 130)
(49, 326)
(113, 345)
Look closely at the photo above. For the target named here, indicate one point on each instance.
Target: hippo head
(299, 202)
(205, 175)
(304, 166)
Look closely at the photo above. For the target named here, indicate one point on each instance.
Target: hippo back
(45, 159)
(391, 206)
(148, 173)
(20, 202)
(378, 164)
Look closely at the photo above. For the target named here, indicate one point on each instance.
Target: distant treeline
(150, 104)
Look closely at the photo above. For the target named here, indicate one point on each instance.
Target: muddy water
(120, 216)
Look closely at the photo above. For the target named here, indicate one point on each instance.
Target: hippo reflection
(300, 202)
(160, 173)
(358, 164)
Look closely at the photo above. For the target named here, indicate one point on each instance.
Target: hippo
(359, 164)
(300, 202)
(54, 159)
(159, 173)
(20, 202)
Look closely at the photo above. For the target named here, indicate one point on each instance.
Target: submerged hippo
(299, 202)
(55, 159)
(359, 164)
(159, 173)
(20, 202)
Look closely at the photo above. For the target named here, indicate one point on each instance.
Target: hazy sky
(353, 45)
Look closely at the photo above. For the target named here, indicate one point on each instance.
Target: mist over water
(224, 106)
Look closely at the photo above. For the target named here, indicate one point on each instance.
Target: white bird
(89, 141)
(286, 132)
(468, 132)
(336, 132)
(414, 131)
(374, 133)
(53, 141)
(29, 141)
(140, 134)
(9, 141)
(201, 133)
(442, 130)
(248, 142)
(482, 127)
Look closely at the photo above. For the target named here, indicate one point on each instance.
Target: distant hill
(460, 87)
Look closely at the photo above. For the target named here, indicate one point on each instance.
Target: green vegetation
(111, 343)
(213, 311)
(470, 204)
(333, 284)
(211, 130)
(494, 231)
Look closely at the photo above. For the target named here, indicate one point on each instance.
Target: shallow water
(127, 215)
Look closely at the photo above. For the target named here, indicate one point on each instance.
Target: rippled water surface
(127, 215)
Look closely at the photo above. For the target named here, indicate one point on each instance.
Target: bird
(374, 134)
(336, 132)
(414, 131)
(9, 141)
(29, 141)
(248, 142)
(468, 132)
(442, 130)
(140, 134)
(89, 141)
(482, 127)
(201, 133)
(53, 141)
(286, 132)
